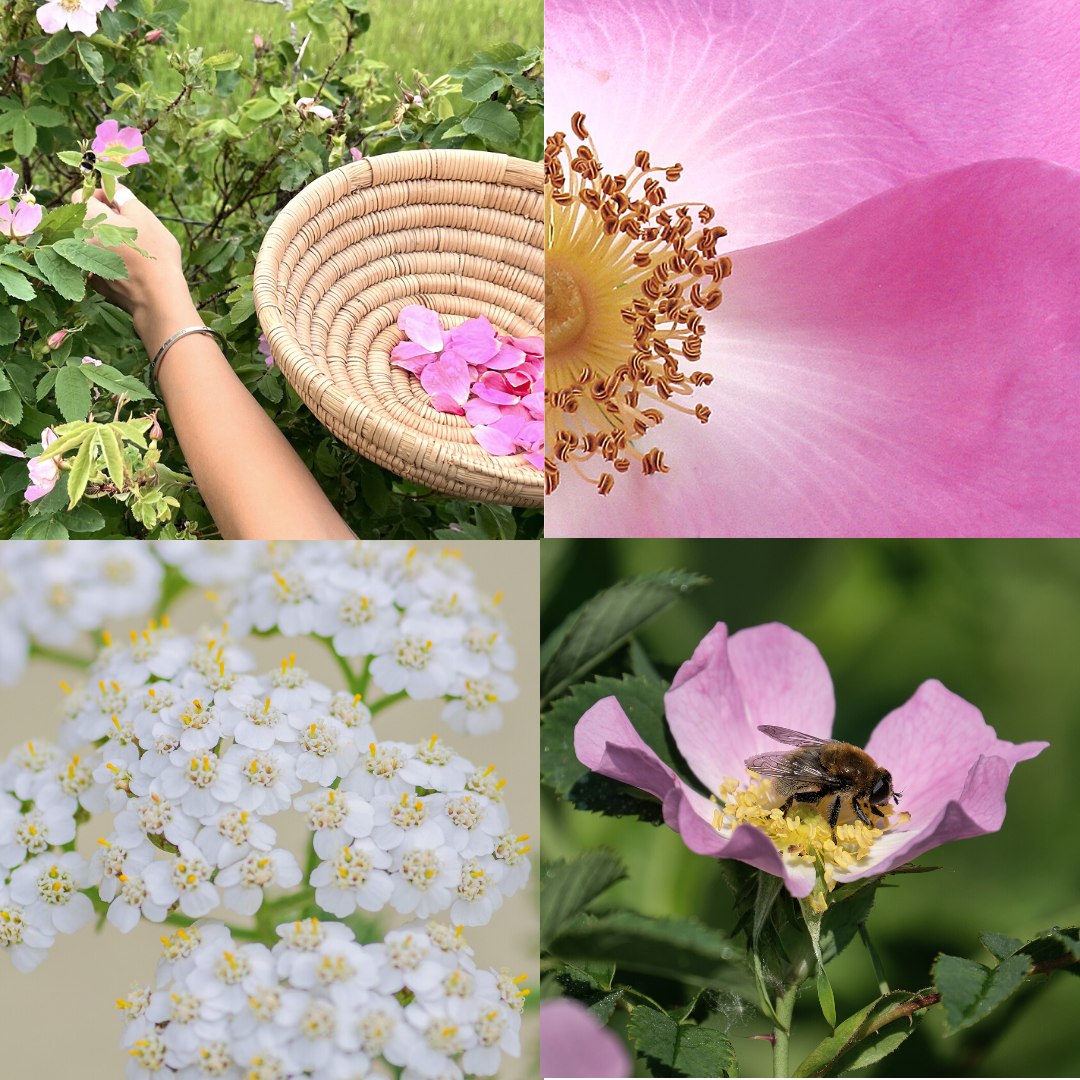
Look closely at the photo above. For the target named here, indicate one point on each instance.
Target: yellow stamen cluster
(803, 834)
(626, 275)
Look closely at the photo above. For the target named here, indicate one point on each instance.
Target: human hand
(155, 293)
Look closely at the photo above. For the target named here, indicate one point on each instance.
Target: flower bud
(152, 36)
(258, 45)
(55, 339)
(155, 431)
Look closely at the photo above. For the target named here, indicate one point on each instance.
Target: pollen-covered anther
(626, 274)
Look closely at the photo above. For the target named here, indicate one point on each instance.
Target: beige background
(60, 1022)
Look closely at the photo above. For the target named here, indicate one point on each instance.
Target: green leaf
(262, 109)
(654, 1033)
(41, 529)
(116, 382)
(73, 391)
(874, 1049)
(683, 950)
(74, 159)
(509, 57)
(969, 991)
(80, 470)
(9, 326)
(23, 136)
(90, 257)
(62, 276)
(999, 946)
(55, 501)
(91, 60)
(114, 459)
(840, 922)
(111, 168)
(1053, 945)
(492, 122)
(63, 221)
(602, 624)
(374, 490)
(18, 288)
(703, 1051)
(825, 996)
(603, 1008)
(56, 46)
(83, 519)
(641, 699)
(223, 61)
(11, 406)
(480, 84)
(566, 888)
(43, 116)
(293, 173)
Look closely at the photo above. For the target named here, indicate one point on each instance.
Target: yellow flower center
(626, 276)
(803, 834)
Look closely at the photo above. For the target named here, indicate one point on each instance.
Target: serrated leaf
(114, 459)
(11, 407)
(603, 1008)
(41, 529)
(116, 382)
(567, 887)
(79, 472)
(492, 122)
(847, 1034)
(43, 116)
(73, 158)
(54, 501)
(96, 260)
(970, 991)
(91, 60)
(481, 83)
(999, 946)
(703, 1051)
(654, 1033)
(598, 794)
(62, 221)
(62, 276)
(9, 326)
(373, 488)
(72, 392)
(602, 624)
(840, 923)
(23, 136)
(874, 1049)
(684, 950)
(56, 46)
(16, 284)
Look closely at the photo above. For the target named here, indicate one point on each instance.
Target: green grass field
(428, 35)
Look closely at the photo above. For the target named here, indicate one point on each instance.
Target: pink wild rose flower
(78, 16)
(122, 145)
(947, 762)
(20, 222)
(573, 1042)
(897, 351)
(43, 474)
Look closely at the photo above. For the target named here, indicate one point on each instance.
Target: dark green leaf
(55, 501)
(374, 490)
(640, 664)
(492, 122)
(13, 482)
(602, 624)
(293, 173)
(969, 991)
(481, 83)
(16, 285)
(23, 136)
(90, 257)
(840, 923)
(874, 1049)
(62, 221)
(41, 529)
(91, 60)
(83, 519)
(999, 946)
(43, 116)
(595, 793)
(703, 1051)
(567, 887)
(1053, 945)
(508, 57)
(62, 276)
(603, 1008)
(11, 406)
(9, 326)
(56, 46)
(654, 1033)
(116, 382)
(73, 391)
(262, 109)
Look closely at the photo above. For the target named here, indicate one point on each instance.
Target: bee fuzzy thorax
(802, 835)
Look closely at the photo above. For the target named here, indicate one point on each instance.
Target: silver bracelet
(156, 362)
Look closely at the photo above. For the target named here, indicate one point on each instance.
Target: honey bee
(820, 768)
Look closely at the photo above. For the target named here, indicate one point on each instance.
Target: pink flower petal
(509, 356)
(448, 375)
(534, 346)
(8, 179)
(494, 441)
(535, 404)
(10, 450)
(422, 326)
(107, 133)
(573, 1042)
(536, 460)
(446, 404)
(479, 411)
(52, 17)
(26, 219)
(921, 381)
(475, 340)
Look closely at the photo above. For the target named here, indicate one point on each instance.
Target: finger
(130, 207)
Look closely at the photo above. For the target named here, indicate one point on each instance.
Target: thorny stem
(327, 76)
(785, 1007)
(879, 970)
(168, 108)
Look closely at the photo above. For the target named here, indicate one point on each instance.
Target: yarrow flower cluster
(194, 754)
(319, 1004)
(495, 381)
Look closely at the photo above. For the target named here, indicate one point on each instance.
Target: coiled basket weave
(458, 231)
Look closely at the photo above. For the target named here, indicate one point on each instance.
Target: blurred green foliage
(998, 622)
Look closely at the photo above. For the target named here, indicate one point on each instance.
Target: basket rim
(515, 480)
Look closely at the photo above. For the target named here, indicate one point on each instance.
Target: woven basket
(458, 231)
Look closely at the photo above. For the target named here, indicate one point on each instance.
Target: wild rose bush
(215, 143)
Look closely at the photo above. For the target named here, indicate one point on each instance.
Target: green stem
(879, 970)
(388, 700)
(365, 676)
(785, 1007)
(45, 653)
(357, 683)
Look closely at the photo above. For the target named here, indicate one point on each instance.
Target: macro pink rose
(122, 145)
(947, 762)
(21, 221)
(897, 351)
(43, 474)
(79, 16)
(573, 1042)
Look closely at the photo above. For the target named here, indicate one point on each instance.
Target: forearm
(252, 480)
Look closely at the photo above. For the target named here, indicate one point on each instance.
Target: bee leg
(859, 813)
(834, 813)
(787, 806)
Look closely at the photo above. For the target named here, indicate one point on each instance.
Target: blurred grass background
(998, 622)
(431, 36)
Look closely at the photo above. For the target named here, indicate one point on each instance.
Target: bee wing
(776, 764)
(796, 769)
(792, 738)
